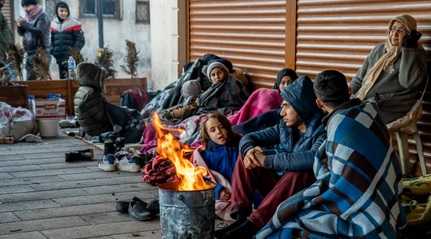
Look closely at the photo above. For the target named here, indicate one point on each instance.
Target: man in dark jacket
(34, 29)
(6, 36)
(66, 34)
(277, 161)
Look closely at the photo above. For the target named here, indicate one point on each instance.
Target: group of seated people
(306, 159)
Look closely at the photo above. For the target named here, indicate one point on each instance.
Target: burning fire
(191, 178)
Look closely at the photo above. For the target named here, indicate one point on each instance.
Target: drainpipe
(100, 22)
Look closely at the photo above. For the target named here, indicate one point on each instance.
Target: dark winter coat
(397, 88)
(35, 34)
(65, 35)
(287, 149)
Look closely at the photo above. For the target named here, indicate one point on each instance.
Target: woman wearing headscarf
(394, 71)
(264, 101)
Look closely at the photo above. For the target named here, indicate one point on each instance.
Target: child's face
(217, 75)
(62, 13)
(284, 82)
(216, 131)
(289, 114)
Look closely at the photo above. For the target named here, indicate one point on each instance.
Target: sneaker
(107, 163)
(128, 164)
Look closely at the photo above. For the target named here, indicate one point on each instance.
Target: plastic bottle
(71, 67)
(31, 102)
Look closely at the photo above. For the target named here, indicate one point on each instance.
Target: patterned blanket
(357, 188)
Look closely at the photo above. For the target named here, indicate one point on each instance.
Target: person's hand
(250, 159)
(225, 195)
(20, 21)
(260, 157)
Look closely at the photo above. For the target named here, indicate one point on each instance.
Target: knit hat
(91, 75)
(214, 64)
(408, 21)
(28, 2)
(331, 86)
(301, 97)
(191, 88)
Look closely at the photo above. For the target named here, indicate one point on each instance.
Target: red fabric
(273, 188)
(259, 102)
(160, 172)
(73, 28)
(140, 97)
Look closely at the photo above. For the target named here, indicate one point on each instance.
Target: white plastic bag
(15, 122)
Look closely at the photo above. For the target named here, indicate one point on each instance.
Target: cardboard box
(55, 108)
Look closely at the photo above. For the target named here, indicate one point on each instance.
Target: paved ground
(43, 197)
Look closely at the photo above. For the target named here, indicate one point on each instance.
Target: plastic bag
(15, 122)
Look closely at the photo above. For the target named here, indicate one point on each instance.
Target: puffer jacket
(286, 149)
(90, 111)
(64, 36)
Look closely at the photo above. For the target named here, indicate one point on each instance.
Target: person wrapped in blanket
(357, 188)
(219, 153)
(226, 94)
(262, 108)
(275, 162)
(172, 95)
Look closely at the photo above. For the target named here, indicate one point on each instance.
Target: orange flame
(168, 147)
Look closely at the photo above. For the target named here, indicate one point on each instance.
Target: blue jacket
(220, 158)
(286, 148)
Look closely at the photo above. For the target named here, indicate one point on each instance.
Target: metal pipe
(99, 13)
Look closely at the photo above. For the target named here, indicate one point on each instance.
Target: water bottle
(71, 67)
(31, 102)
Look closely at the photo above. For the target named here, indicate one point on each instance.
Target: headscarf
(386, 60)
(282, 73)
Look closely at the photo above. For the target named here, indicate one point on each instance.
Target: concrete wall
(115, 34)
(168, 41)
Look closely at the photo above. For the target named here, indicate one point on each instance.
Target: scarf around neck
(33, 14)
(386, 60)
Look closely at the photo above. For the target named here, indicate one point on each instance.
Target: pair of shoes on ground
(138, 209)
(127, 163)
(242, 228)
(79, 155)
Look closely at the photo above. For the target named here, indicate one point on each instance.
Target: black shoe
(122, 206)
(80, 155)
(140, 210)
(240, 229)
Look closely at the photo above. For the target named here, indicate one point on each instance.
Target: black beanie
(28, 2)
(331, 86)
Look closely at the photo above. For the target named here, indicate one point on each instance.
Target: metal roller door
(250, 33)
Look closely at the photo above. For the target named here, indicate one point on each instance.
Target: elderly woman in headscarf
(264, 100)
(393, 73)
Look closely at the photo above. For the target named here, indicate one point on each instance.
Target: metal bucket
(186, 214)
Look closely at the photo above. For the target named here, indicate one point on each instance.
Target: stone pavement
(42, 197)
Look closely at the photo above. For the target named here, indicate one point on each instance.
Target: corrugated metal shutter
(7, 12)
(338, 34)
(250, 33)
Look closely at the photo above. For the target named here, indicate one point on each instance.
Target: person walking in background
(66, 34)
(34, 28)
(6, 36)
